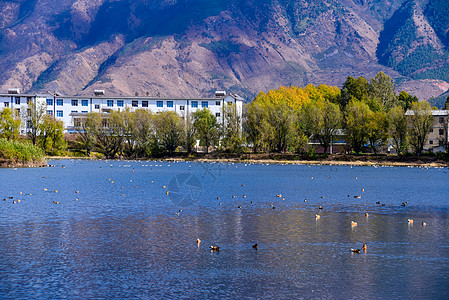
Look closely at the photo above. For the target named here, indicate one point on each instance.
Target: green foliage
(357, 118)
(398, 129)
(205, 124)
(169, 129)
(17, 151)
(51, 137)
(231, 129)
(381, 91)
(354, 89)
(419, 125)
(9, 124)
(405, 100)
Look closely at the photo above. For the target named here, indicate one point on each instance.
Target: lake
(128, 229)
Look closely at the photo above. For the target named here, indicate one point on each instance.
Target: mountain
(193, 47)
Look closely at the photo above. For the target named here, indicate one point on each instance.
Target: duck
(364, 247)
(410, 221)
(320, 207)
(279, 195)
(423, 223)
(255, 246)
(366, 215)
(355, 250)
(233, 196)
(198, 242)
(77, 192)
(214, 248)
(358, 197)
(317, 217)
(353, 223)
(244, 196)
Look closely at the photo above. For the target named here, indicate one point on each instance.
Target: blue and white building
(70, 109)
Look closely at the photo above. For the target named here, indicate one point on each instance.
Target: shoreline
(28, 164)
(389, 161)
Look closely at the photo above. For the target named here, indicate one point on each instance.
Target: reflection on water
(122, 237)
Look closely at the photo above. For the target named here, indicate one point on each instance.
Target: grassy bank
(18, 154)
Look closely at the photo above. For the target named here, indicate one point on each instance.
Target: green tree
(254, 125)
(206, 127)
(86, 128)
(321, 120)
(109, 132)
(419, 120)
(34, 117)
(354, 89)
(446, 104)
(189, 138)
(232, 129)
(406, 100)
(280, 126)
(377, 130)
(398, 129)
(381, 90)
(9, 124)
(144, 134)
(169, 130)
(51, 135)
(357, 118)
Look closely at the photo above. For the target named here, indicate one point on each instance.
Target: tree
(354, 89)
(206, 127)
(109, 132)
(280, 127)
(321, 120)
(446, 104)
(34, 117)
(9, 124)
(381, 89)
(357, 118)
(169, 130)
(398, 129)
(189, 138)
(144, 133)
(254, 125)
(86, 129)
(406, 100)
(232, 129)
(377, 129)
(419, 122)
(51, 135)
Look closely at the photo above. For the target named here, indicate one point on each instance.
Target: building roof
(436, 113)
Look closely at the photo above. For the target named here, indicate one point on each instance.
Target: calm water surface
(117, 233)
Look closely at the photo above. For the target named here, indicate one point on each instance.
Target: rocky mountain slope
(193, 47)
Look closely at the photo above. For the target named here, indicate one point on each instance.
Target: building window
(50, 112)
(431, 142)
(182, 107)
(59, 113)
(17, 100)
(169, 103)
(110, 103)
(441, 131)
(194, 104)
(74, 102)
(204, 104)
(97, 106)
(59, 102)
(217, 115)
(6, 104)
(49, 101)
(431, 129)
(84, 103)
(160, 103)
(135, 103)
(77, 122)
(120, 103)
(29, 123)
(74, 111)
(441, 120)
(84, 112)
(440, 143)
(218, 103)
(144, 103)
(18, 111)
(29, 100)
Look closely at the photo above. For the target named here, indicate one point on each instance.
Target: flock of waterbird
(216, 248)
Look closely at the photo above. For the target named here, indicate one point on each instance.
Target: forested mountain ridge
(193, 47)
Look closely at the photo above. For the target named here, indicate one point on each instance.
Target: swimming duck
(423, 223)
(255, 246)
(353, 223)
(198, 242)
(214, 248)
(279, 196)
(366, 215)
(317, 217)
(410, 221)
(355, 250)
(364, 247)
(358, 197)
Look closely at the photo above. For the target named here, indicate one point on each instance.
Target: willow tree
(357, 118)
(419, 123)
(206, 127)
(232, 129)
(321, 120)
(51, 135)
(280, 125)
(254, 126)
(398, 129)
(169, 130)
(9, 124)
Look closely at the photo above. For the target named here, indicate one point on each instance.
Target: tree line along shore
(287, 122)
